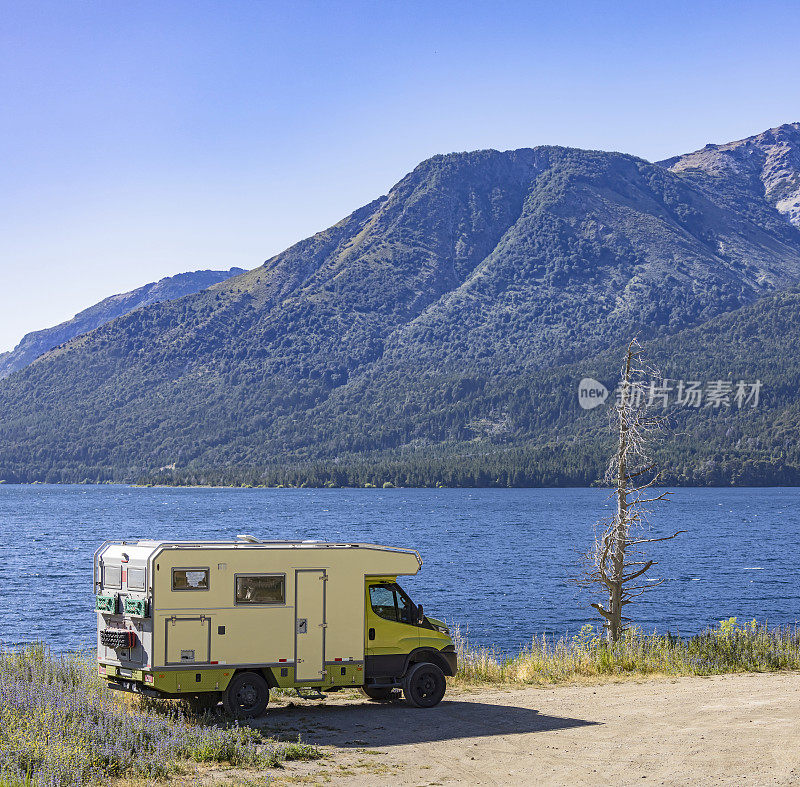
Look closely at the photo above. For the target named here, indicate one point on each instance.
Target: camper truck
(226, 621)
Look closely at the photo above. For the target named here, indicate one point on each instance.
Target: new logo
(591, 393)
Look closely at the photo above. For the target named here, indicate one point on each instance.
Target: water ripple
(498, 562)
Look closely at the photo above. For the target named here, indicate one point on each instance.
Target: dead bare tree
(616, 561)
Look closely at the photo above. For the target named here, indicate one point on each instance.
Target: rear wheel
(424, 685)
(247, 696)
(379, 694)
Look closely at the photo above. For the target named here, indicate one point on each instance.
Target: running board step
(315, 694)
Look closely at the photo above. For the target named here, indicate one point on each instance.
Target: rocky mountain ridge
(37, 343)
(771, 158)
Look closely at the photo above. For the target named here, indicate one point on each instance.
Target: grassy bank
(59, 725)
(727, 648)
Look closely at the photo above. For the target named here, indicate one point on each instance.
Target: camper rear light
(149, 678)
(101, 669)
(135, 606)
(106, 602)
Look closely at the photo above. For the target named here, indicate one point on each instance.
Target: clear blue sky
(142, 139)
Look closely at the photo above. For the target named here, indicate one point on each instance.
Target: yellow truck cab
(226, 621)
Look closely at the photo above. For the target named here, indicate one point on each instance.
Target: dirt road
(742, 729)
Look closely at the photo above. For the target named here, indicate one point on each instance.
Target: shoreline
(134, 485)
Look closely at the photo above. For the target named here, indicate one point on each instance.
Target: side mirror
(420, 615)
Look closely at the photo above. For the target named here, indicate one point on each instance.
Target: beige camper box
(227, 620)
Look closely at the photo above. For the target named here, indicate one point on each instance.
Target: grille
(118, 638)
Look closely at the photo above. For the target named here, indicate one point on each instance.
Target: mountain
(434, 333)
(39, 342)
(768, 161)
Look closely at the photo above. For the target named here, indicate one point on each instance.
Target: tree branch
(631, 577)
(662, 496)
(631, 476)
(653, 540)
(606, 615)
(642, 588)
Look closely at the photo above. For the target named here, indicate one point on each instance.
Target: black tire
(247, 696)
(424, 685)
(378, 694)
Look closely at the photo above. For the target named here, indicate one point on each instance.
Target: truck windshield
(391, 603)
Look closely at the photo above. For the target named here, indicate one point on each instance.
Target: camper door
(309, 637)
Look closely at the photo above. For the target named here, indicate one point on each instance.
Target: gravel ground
(742, 729)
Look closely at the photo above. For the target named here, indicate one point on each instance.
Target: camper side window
(260, 589)
(190, 579)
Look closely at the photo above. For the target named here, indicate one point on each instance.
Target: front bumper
(451, 657)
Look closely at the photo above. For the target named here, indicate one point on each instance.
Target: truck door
(309, 624)
(391, 633)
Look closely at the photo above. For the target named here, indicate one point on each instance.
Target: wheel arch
(264, 672)
(269, 677)
(430, 655)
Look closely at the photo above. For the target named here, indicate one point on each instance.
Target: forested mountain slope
(416, 326)
(38, 343)
(484, 427)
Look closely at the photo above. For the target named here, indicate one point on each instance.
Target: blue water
(497, 562)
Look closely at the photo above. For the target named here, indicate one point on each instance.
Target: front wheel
(424, 685)
(247, 696)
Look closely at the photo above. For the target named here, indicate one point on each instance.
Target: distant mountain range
(38, 343)
(437, 334)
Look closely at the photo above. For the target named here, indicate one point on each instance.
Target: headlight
(443, 629)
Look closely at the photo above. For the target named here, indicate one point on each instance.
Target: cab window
(382, 600)
(390, 603)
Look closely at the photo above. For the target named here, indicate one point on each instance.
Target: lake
(497, 562)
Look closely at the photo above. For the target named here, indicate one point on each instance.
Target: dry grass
(586, 656)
